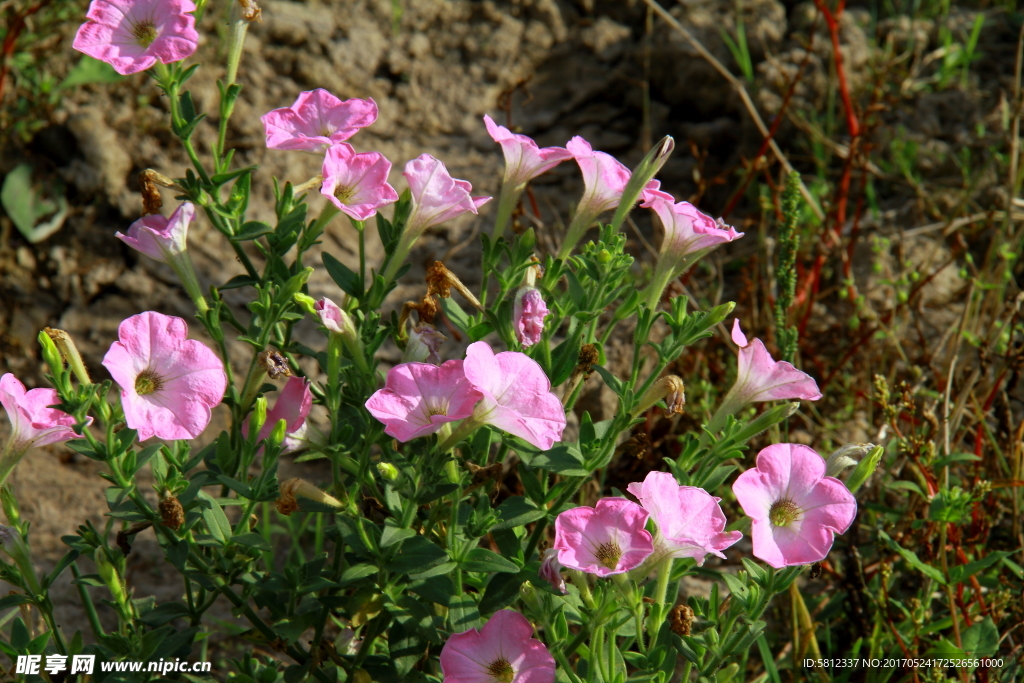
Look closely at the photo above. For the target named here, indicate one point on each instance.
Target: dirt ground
(554, 69)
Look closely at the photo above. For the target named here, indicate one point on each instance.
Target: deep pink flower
(796, 509)
(131, 35)
(418, 398)
(524, 160)
(357, 183)
(690, 520)
(516, 394)
(504, 651)
(316, 121)
(550, 570)
(604, 540)
(169, 384)
(528, 313)
(292, 405)
(436, 196)
(159, 238)
(762, 379)
(33, 422)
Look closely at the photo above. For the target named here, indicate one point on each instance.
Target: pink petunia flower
(690, 520)
(161, 239)
(550, 570)
(516, 395)
(169, 384)
(528, 313)
(524, 159)
(418, 398)
(689, 236)
(796, 509)
(33, 422)
(762, 379)
(504, 651)
(293, 404)
(316, 121)
(606, 539)
(131, 35)
(357, 183)
(436, 198)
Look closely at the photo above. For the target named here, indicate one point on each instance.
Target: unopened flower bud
(528, 313)
(387, 471)
(865, 468)
(604, 256)
(293, 489)
(423, 345)
(549, 571)
(259, 417)
(69, 352)
(335, 318)
(671, 389)
(306, 302)
(279, 431)
(844, 457)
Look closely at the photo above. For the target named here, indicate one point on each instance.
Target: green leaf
(463, 613)
(251, 230)
(214, 517)
(27, 207)
(416, 555)
(14, 600)
(456, 315)
(565, 357)
(517, 511)
(252, 539)
(981, 639)
(90, 70)
(562, 459)
(357, 572)
(965, 571)
(394, 534)
(912, 559)
(484, 560)
(611, 380)
(502, 590)
(343, 276)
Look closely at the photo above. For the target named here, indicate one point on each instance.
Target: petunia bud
(423, 345)
(549, 571)
(642, 176)
(277, 434)
(66, 345)
(339, 323)
(259, 417)
(387, 471)
(300, 488)
(306, 302)
(865, 468)
(528, 313)
(841, 458)
(671, 389)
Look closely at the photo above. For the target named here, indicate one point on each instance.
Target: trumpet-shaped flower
(292, 405)
(606, 539)
(159, 238)
(436, 198)
(316, 121)
(762, 379)
(689, 235)
(528, 313)
(357, 183)
(796, 509)
(516, 395)
(418, 398)
(33, 422)
(131, 35)
(503, 651)
(690, 520)
(169, 384)
(524, 159)
(550, 570)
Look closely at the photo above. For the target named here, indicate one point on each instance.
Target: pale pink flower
(550, 570)
(653, 191)
(516, 394)
(169, 384)
(436, 196)
(796, 509)
(418, 398)
(293, 404)
(528, 313)
(131, 35)
(316, 121)
(503, 651)
(604, 177)
(689, 234)
(424, 345)
(159, 238)
(762, 379)
(604, 540)
(690, 520)
(357, 183)
(335, 318)
(33, 422)
(524, 160)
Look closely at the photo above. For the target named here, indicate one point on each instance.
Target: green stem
(90, 608)
(659, 611)
(506, 206)
(580, 222)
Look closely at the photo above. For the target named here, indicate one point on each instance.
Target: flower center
(608, 554)
(147, 382)
(783, 512)
(344, 194)
(501, 670)
(144, 32)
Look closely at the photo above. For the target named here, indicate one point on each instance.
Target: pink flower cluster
(507, 390)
